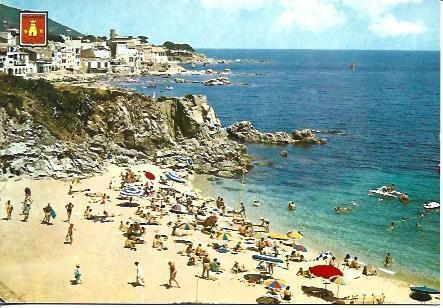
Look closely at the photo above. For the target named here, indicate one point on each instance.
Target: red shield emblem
(33, 28)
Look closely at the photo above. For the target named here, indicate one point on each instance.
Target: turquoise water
(388, 109)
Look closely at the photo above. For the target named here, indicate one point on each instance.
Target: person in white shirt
(140, 274)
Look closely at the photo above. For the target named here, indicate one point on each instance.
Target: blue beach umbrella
(131, 191)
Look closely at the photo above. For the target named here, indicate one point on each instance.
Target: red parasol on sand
(150, 175)
(325, 271)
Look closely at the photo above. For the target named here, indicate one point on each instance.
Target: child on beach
(47, 211)
(388, 260)
(77, 274)
(9, 209)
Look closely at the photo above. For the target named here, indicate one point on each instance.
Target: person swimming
(256, 203)
(291, 206)
(392, 226)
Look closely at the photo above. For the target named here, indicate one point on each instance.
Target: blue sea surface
(388, 109)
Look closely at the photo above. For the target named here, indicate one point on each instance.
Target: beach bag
(52, 213)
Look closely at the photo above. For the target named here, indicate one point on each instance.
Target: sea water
(387, 110)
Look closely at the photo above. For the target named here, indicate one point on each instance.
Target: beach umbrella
(131, 191)
(425, 290)
(296, 235)
(185, 226)
(298, 247)
(178, 208)
(224, 236)
(325, 271)
(338, 280)
(275, 283)
(150, 175)
(324, 255)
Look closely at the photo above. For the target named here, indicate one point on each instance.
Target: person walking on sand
(172, 274)
(27, 192)
(9, 209)
(139, 274)
(77, 274)
(27, 208)
(69, 237)
(69, 208)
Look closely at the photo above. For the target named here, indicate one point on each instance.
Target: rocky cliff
(245, 132)
(61, 131)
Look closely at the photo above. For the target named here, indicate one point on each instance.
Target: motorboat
(432, 205)
(386, 191)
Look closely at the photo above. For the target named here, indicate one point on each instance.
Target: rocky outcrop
(245, 132)
(75, 133)
(219, 81)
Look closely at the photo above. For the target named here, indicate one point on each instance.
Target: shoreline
(201, 182)
(107, 265)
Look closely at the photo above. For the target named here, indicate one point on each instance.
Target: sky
(266, 24)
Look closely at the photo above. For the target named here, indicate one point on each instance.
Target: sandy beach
(37, 266)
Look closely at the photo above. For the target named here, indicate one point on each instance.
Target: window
(98, 65)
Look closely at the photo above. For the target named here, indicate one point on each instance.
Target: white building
(15, 62)
(159, 55)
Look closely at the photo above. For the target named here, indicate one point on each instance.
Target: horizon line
(319, 49)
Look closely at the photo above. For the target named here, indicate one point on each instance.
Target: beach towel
(52, 213)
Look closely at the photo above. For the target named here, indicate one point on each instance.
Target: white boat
(432, 205)
(169, 88)
(384, 192)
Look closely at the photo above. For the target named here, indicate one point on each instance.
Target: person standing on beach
(69, 237)
(206, 266)
(9, 209)
(69, 208)
(388, 260)
(139, 274)
(27, 208)
(47, 210)
(172, 274)
(242, 210)
(77, 274)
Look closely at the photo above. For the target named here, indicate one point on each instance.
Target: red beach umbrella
(325, 271)
(150, 175)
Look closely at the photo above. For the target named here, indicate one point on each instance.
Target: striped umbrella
(298, 247)
(324, 255)
(131, 191)
(296, 235)
(224, 236)
(275, 283)
(338, 280)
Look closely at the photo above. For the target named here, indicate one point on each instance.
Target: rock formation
(71, 130)
(245, 132)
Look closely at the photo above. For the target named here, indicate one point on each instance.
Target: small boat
(169, 88)
(386, 191)
(432, 205)
(339, 209)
